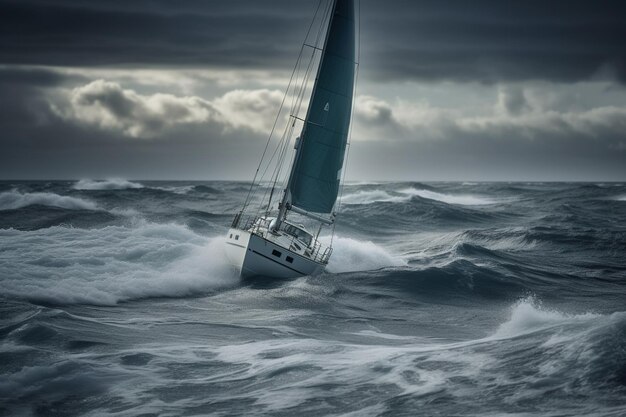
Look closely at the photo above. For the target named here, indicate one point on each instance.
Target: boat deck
(260, 226)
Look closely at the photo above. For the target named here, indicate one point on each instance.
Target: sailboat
(272, 242)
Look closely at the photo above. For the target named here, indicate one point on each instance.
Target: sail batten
(314, 182)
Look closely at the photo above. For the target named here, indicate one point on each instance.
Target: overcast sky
(448, 90)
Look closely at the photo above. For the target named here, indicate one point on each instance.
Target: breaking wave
(112, 264)
(350, 255)
(367, 197)
(528, 316)
(182, 190)
(11, 200)
(464, 200)
(572, 357)
(403, 195)
(108, 184)
(433, 301)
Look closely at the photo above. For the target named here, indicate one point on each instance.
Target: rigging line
(281, 106)
(297, 104)
(298, 98)
(345, 163)
(268, 140)
(280, 146)
(281, 158)
(283, 143)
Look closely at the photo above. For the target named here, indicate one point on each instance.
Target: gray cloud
(448, 91)
(483, 40)
(39, 143)
(512, 101)
(106, 105)
(512, 118)
(71, 33)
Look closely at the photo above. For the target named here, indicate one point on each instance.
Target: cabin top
(299, 232)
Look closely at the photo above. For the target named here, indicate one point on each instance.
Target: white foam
(527, 316)
(108, 184)
(377, 334)
(461, 199)
(621, 198)
(349, 365)
(112, 264)
(184, 189)
(400, 196)
(350, 255)
(10, 200)
(367, 197)
(406, 367)
(302, 368)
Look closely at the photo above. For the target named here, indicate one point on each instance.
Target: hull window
(276, 253)
(289, 259)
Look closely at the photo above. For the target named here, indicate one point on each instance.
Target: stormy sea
(440, 299)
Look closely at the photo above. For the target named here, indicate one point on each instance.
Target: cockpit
(297, 232)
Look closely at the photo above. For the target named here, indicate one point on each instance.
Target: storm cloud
(106, 105)
(484, 40)
(157, 89)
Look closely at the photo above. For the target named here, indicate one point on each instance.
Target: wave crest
(528, 316)
(459, 199)
(406, 194)
(112, 264)
(350, 255)
(372, 196)
(108, 184)
(11, 200)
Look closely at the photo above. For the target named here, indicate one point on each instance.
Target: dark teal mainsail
(314, 184)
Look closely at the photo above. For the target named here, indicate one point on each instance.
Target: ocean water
(440, 299)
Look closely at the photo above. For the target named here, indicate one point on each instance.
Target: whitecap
(182, 190)
(11, 200)
(108, 184)
(111, 264)
(367, 197)
(527, 316)
(460, 199)
(350, 255)
(404, 195)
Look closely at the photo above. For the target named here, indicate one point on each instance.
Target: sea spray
(105, 266)
(528, 316)
(351, 255)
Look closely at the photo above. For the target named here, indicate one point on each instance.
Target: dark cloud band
(483, 40)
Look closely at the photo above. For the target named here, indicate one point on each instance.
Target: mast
(313, 180)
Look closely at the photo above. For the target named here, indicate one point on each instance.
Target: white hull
(252, 255)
